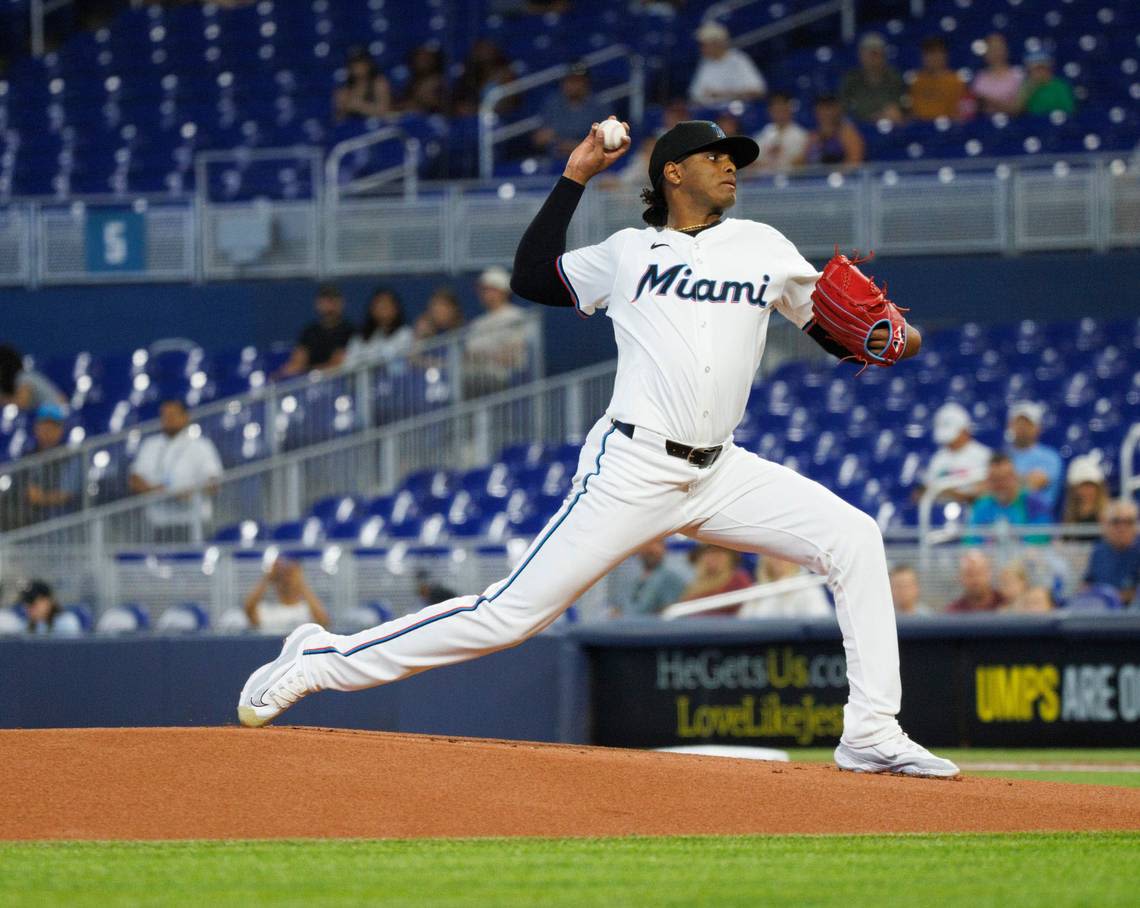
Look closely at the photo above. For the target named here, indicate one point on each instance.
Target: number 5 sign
(116, 240)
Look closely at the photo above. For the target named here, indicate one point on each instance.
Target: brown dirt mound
(215, 783)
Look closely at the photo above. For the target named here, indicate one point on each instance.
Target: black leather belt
(698, 457)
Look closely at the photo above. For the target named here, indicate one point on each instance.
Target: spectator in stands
(1038, 466)
(496, 342)
(1007, 501)
(906, 592)
(53, 487)
(959, 456)
(485, 67)
(384, 335)
(26, 388)
(656, 585)
(998, 86)
(43, 612)
(365, 92)
(430, 591)
(323, 343)
(725, 73)
(783, 142)
(834, 140)
(717, 570)
(937, 91)
(1043, 91)
(874, 90)
(178, 459)
(1037, 601)
(1115, 559)
(806, 603)
(425, 89)
(1087, 492)
(291, 604)
(1013, 584)
(567, 115)
(441, 315)
(976, 577)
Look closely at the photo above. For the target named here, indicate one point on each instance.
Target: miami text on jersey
(703, 289)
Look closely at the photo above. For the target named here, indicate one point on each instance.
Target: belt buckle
(694, 457)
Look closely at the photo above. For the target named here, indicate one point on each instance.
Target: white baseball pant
(627, 492)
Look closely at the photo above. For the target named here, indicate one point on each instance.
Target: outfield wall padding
(983, 681)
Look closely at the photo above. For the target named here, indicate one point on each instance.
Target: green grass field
(1010, 870)
(1098, 869)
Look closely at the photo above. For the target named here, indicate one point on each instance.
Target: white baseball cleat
(277, 685)
(898, 755)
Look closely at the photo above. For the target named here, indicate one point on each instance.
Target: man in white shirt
(725, 74)
(497, 340)
(959, 456)
(783, 142)
(179, 459)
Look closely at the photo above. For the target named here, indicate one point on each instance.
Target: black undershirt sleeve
(821, 337)
(535, 276)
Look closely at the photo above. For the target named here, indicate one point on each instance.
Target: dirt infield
(210, 783)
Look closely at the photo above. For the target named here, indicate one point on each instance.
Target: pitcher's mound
(208, 783)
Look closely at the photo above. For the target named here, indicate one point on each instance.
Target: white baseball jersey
(690, 318)
(690, 315)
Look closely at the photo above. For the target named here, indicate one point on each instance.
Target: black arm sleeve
(813, 330)
(535, 276)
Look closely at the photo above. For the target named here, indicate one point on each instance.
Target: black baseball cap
(698, 135)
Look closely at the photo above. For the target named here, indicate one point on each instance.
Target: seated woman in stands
(291, 604)
(365, 93)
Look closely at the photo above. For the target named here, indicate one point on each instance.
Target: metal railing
(1129, 481)
(492, 133)
(258, 238)
(761, 591)
(373, 459)
(406, 171)
(845, 9)
(901, 208)
(347, 576)
(277, 417)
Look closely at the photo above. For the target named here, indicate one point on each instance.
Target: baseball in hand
(613, 134)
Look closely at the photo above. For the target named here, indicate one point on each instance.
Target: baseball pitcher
(690, 296)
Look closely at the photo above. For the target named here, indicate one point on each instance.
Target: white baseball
(613, 134)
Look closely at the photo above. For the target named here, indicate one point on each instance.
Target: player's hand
(880, 337)
(590, 157)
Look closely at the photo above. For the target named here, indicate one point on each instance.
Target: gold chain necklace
(693, 227)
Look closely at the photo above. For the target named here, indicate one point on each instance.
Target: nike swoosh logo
(655, 245)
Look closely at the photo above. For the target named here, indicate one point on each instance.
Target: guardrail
(278, 417)
(464, 432)
(491, 132)
(694, 608)
(406, 171)
(902, 208)
(1129, 481)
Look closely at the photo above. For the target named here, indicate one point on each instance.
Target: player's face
(710, 177)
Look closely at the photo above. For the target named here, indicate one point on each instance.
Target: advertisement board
(1046, 690)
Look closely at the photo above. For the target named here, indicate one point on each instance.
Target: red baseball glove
(850, 307)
